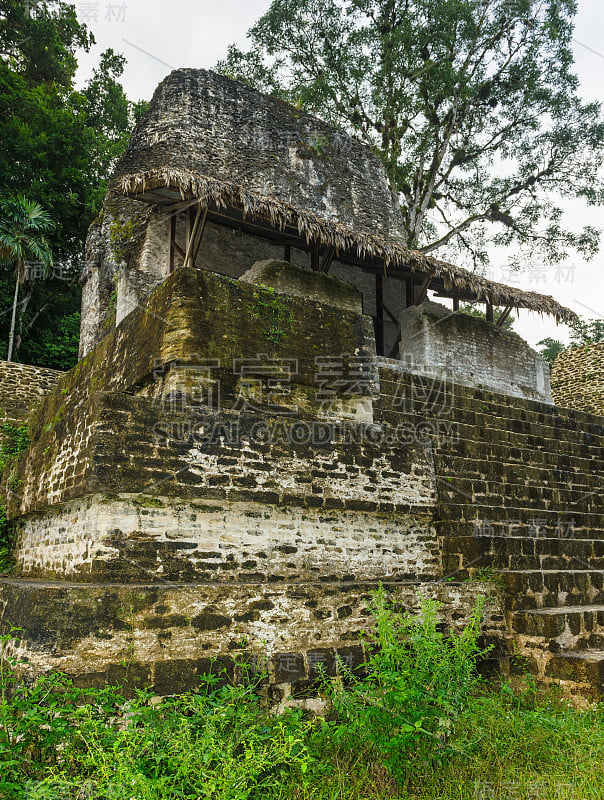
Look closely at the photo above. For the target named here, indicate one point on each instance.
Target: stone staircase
(520, 499)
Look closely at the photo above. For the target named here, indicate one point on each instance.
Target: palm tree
(22, 226)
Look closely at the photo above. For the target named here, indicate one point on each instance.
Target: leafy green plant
(36, 720)
(14, 439)
(215, 743)
(586, 332)
(6, 542)
(488, 575)
(550, 349)
(418, 681)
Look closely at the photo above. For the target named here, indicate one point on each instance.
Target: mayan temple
(273, 413)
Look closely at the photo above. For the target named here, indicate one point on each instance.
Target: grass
(418, 725)
(512, 746)
(221, 745)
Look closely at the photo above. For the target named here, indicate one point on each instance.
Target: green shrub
(197, 745)
(37, 720)
(418, 715)
(418, 681)
(62, 743)
(14, 439)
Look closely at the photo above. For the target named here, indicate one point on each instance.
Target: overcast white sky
(157, 36)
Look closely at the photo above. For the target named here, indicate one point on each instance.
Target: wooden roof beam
(503, 316)
(423, 290)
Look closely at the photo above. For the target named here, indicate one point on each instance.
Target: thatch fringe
(312, 228)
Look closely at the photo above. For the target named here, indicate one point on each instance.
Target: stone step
(512, 553)
(502, 432)
(547, 427)
(499, 427)
(583, 495)
(578, 666)
(563, 457)
(503, 421)
(519, 475)
(585, 476)
(539, 525)
(568, 629)
(533, 522)
(553, 588)
(449, 463)
(439, 406)
(480, 401)
(494, 492)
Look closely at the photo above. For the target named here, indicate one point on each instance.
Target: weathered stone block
(444, 345)
(100, 633)
(21, 389)
(286, 278)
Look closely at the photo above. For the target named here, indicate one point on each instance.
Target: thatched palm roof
(168, 184)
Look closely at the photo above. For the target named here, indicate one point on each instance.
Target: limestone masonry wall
(436, 341)
(208, 123)
(578, 378)
(233, 471)
(164, 635)
(22, 387)
(222, 541)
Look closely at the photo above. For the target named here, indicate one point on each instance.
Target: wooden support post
(489, 312)
(503, 316)
(190, 222)
(172, 242)
(423, 290)
(314, 256)
(456, 304)
(328, 256)
(287, 252)
(409, 293)
(192, 226)
(200, 233)
(379, 315)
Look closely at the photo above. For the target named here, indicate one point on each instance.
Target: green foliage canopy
(587, 331)
(59, 147)
(550, 349)
(471, 104)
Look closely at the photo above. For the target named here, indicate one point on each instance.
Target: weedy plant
(38, 719)
(418, 680)
(215, 743)
(415, 725)
(14, 439)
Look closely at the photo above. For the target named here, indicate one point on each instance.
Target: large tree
(58, 148)
(471, 104)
